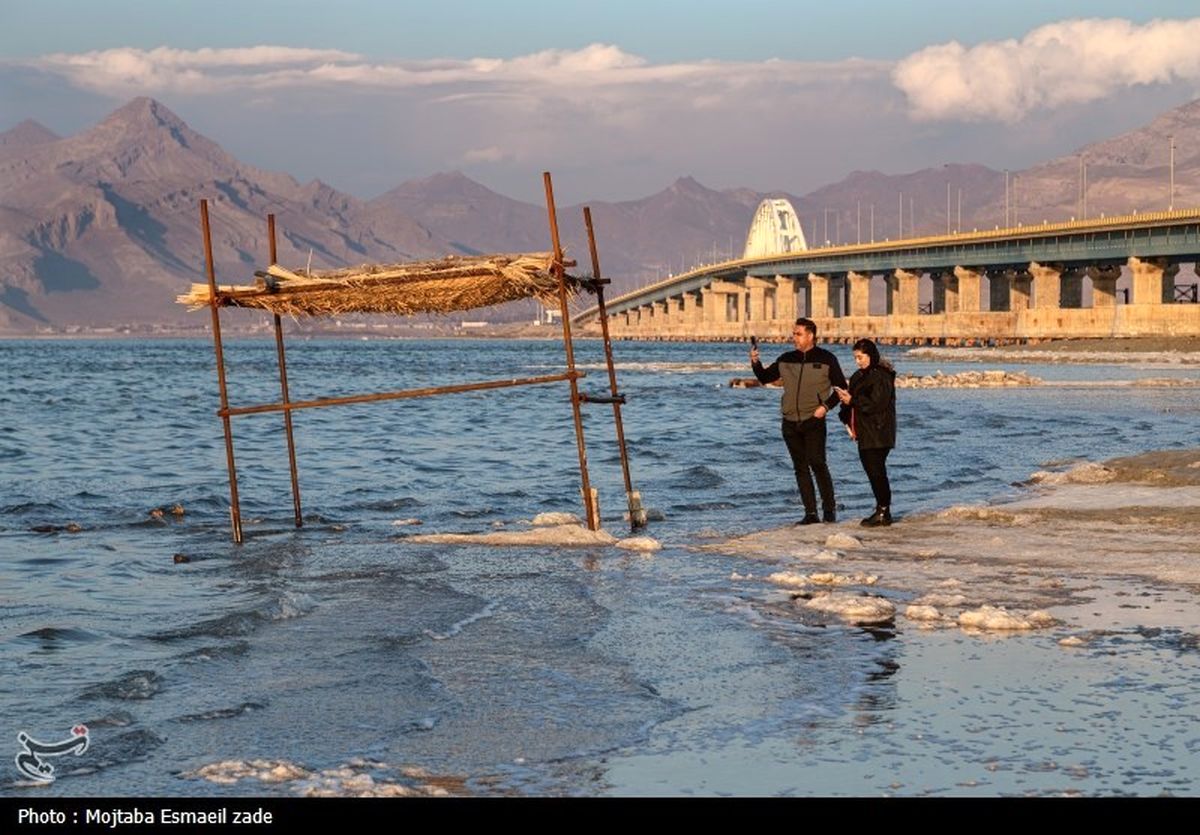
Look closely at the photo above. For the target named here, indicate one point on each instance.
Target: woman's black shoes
(809, 519)
(882, 516)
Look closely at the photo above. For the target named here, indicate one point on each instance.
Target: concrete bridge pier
(785, 299)
(945, 292)
(709, 302)
(999, 289)
(837, 296)
(691, 311)
(758, 289)
(1153, 280)
(1047, 285)
(728, 304)
(658, 317)
(970, 280)
(1070, 287)
(818, 295)
(1104, 285)
(902, 293)
(858, 287)
(1020, 289)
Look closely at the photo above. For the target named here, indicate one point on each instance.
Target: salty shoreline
(1169, 351)
(1095, 533)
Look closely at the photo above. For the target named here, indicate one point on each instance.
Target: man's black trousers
(805, 441)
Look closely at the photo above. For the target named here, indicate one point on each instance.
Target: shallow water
(533, 669)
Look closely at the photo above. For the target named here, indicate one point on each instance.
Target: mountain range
(101, 230)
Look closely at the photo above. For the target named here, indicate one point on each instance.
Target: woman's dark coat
(873, 404)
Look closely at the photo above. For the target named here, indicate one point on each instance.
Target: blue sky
(662, 30)
(619, 98)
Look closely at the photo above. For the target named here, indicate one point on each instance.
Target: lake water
(343, 658)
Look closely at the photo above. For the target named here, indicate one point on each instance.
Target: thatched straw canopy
(443, 286)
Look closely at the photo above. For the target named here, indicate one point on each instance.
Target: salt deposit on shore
(968, 380)
(1161, 351)
(1097, 533)
(545, 532)
(358, 778)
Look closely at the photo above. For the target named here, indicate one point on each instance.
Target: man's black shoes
(830, 516)
(809, 519)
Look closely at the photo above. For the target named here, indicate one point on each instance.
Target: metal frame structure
(286, 405)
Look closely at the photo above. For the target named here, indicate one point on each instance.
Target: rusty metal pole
(593, 521)
(637, 516)
(283, 386)
(235, 510)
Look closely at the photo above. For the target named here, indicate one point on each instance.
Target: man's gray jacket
(808, 381)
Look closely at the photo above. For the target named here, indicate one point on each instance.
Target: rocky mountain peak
(26, 135)
(141, 113)
(443, 185)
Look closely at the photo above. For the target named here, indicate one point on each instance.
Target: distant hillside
(101, 229)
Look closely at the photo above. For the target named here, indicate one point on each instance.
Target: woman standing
(869, 410)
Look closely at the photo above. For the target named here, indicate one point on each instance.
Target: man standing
(809, 376)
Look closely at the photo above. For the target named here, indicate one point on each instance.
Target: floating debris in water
(1072, 641)
(919, 612)
(555, 518)
(640, 543)
(228, 772)
(998, 619)
(945, 600)
(788, 578)
(181, 558)
(794, 579)
(400, 523)
(1089, 473)
(859, 610)
(968, 380)
(70, 527)
(358, 778)
(548, 535)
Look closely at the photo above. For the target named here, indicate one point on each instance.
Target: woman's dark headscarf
(866, 346)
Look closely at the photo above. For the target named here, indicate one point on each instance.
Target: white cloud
(491, 153)
(126, 71)
(1069, 62)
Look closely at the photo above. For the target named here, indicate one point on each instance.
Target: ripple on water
(697, 478)
(136, 685)
(56, 637)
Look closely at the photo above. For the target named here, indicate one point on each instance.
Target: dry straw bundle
(443, 286)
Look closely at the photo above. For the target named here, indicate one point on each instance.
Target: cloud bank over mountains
(617, 123)
(1069, 62)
